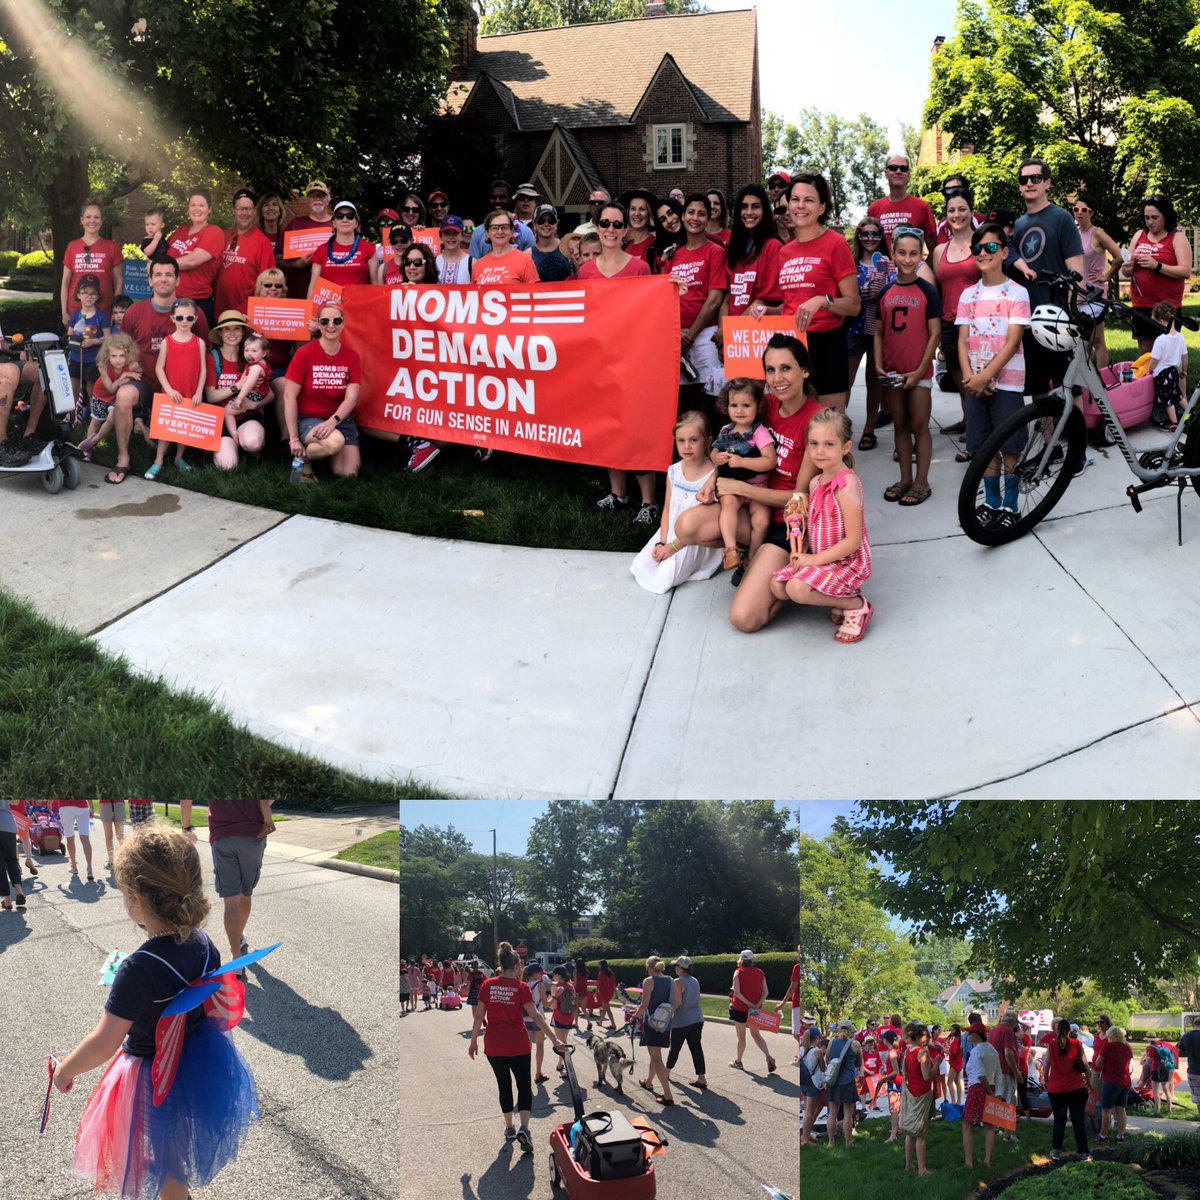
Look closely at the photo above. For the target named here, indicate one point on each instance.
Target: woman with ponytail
(507, 1003)
(1067, 1084)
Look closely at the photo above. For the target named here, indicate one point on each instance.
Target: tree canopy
(101, 96)
(516, 16)
(1104, 90)
(1048, 894)
(850, 154)
(852, 962)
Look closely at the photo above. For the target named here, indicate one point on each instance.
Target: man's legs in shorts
(237, 862)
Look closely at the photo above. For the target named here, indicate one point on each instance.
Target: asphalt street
(724, 1143)
(319, 1030)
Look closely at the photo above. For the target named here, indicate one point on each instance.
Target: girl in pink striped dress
(838, 561)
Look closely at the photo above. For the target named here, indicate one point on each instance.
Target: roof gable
(667, 74)
(597, 75)
(501, 91)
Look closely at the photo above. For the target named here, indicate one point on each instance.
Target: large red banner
(585, 372)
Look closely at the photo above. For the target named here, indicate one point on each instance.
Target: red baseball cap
(390, 213)
(779, 175)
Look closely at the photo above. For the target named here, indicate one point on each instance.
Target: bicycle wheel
(1039, 492)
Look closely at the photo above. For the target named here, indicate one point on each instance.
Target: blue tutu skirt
(127, 1147)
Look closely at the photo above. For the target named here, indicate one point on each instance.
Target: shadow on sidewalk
(281, 1018)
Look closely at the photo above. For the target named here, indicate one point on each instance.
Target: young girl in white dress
(662, 564)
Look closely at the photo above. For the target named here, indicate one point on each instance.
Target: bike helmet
(1052, 327)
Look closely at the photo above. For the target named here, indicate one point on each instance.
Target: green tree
(429, 910)
(563, 880)
(938, 962)
(1104, 90)
(852, 962)
(850, 154)
(1049, 894)
(431, 841)
(1083, 1004)
(140, 89)
(516, 16)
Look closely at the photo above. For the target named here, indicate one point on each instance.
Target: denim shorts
(347, 428)
(986, 413)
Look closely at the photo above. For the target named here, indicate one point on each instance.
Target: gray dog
(609, 1057)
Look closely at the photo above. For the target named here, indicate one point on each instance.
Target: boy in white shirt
(1168, 362)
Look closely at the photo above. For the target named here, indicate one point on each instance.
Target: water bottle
(297, 469)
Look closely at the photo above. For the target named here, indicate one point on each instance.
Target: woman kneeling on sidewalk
(507, 1002)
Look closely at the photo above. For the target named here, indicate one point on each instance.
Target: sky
(512, 819)
(810, 55)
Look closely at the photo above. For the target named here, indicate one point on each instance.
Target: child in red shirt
(181, 369)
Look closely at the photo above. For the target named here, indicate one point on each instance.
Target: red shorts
(973, 1110)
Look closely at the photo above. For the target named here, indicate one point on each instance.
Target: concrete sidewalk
(1064, 665)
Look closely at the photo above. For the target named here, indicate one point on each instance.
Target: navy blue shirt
(1045, 240)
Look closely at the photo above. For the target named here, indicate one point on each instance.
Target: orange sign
(431, 237)
(326, 293)
(746, 339)
(996, 1112)
(764, 1020)
(583, 372)
(199, 426)
(300, 242)
(286, 320)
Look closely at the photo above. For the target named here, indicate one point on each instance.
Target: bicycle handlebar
(1095, 295)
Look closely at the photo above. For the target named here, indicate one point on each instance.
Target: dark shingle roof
(594, 75)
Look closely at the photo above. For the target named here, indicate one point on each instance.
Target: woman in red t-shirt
(747, 994)
(91, 255)
(790, 406)
(752, 257)
(606, 985)
(1112, 1058)
(1066, 1083)
(319, 396)
(819, 282)
(197, 248)
(347, 257)
(916, 1098)
(507, 1003)
(1158, 267)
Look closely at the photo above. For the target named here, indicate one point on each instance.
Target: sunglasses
(330, 320)
(414, 262)
(410, 208)
(498, 226)
(278, 286)
(978, 248)
(1080, 208)
(546, 220)
(184, 317)
(344, 216)
(951, 193)
(870, 235)
(1036, 177)
(898, 170)
(605, 223)
(439, 204)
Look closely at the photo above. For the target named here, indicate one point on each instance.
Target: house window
(669, 147)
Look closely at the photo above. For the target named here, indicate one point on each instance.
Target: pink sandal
(854, 623)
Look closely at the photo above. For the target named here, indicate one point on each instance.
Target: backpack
(566, 1002)
(1166, 1060)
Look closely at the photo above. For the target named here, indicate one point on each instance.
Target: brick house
(657, 102)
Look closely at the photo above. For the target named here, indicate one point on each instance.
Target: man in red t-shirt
(299, 270)
(899, 207)
(248, 252)
(237, 834)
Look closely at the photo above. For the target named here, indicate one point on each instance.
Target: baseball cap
(682, 960)
(452, 222)
(342, 205)
(527, 189)
(436, 196)
(780, 175)
(747, 954)
(390, 213)
(1000, 216)
(544, 210)
(316, 186)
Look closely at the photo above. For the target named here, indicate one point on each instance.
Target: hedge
(39, 258)
(29, 316)
(1170, 1032)
(30, 281)
(714, 971)
(1082, 1181)
(8, 261)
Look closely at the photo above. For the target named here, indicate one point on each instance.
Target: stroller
(45, 829)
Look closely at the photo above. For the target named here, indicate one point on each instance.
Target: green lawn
(872, 1170)
(382, 850)
(1123, 348)
(76, 722)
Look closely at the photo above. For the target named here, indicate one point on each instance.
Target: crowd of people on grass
(915, 1072)
(522, 1008)
(764, 483)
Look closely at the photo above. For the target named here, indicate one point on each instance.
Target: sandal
(963, 456)
(665, 1102)
(737, 1065)
(915, 495)
(770, 1066)
(854, 623)
(731, 559)
(21, 900)
(868, 441)
(697, 1084)
(182, 464)
(30, 867)
(645, 1083)
(153, 472)
(897, 490)
(116, 475)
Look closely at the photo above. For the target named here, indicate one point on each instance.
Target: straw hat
(229, 317)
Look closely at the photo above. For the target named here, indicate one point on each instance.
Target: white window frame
(670, 129)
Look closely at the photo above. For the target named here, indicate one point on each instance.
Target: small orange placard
(299, 242)
(286, 320)
(996, 1112)
(746, 339)
(764, 1020)
(199, 426)
(326, 293)
(431, 237)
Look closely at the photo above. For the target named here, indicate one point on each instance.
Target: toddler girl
(662, 562)
(243, 413)
(1168, 362)
(117, 364)
(839, 558)
(745, 450)
(906, 338)
(127, 1144)
(181, 370)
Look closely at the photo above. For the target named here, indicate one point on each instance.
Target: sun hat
(527, 189)
(316, 186)
(228, 318)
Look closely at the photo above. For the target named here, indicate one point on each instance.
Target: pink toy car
(1131, 401)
